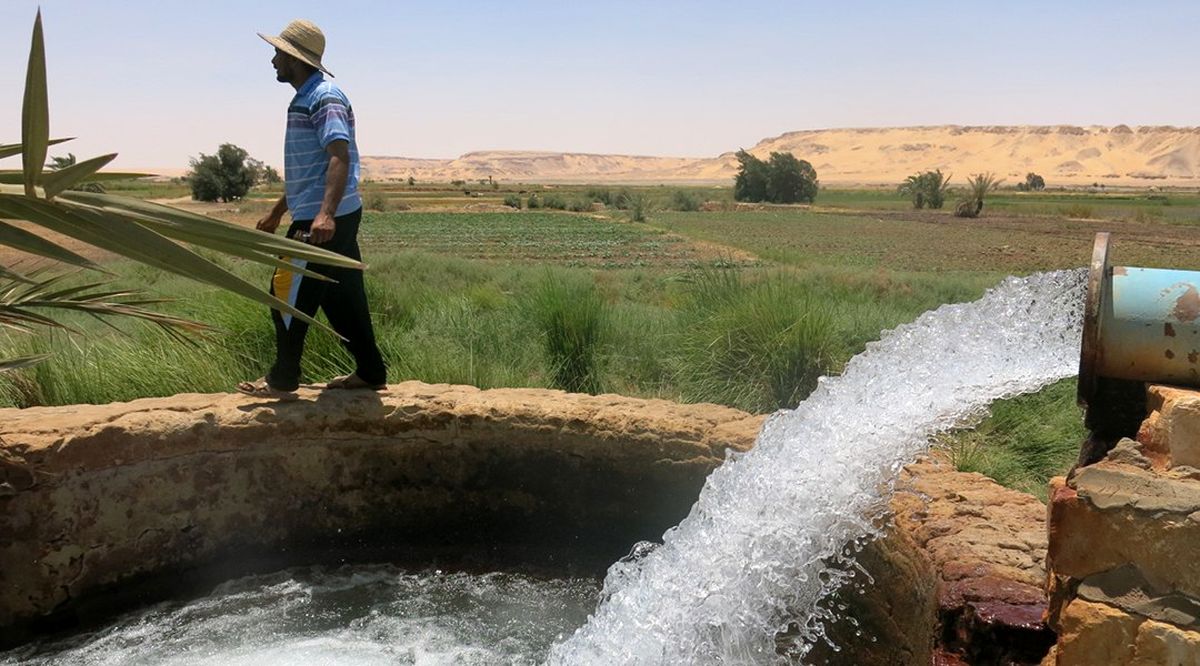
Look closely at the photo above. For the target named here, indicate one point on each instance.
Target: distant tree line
(781, 179)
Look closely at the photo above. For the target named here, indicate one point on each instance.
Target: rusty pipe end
(1097, 294)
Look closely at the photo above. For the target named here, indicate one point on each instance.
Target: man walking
(321, 192)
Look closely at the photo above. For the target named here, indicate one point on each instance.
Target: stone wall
(117, 504)
(108, 500)
(1124, 557)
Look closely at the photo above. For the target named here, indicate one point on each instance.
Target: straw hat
(301, 39)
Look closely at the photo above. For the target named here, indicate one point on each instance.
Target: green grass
(534, 237)
(1024, 441)
(739, 307)
(1181, 208)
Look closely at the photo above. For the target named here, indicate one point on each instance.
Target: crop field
(1179, 208)
(540, 238)
(743, 305)
(934, 241)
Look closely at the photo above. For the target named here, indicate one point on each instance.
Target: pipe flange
(1090, 352)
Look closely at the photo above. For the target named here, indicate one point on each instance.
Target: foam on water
(768, 538)
(355, 615)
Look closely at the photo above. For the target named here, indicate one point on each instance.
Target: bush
(925, 189)
(556, 202)
(571, 317)
(686, 201)
(513, 201)
(602, 196)
(781, 179)
(579, 205)
(757, 346)
(533, 202)
(225, 176)
(978, 186)
(1033, 183)
(638, 205)
(375, 200)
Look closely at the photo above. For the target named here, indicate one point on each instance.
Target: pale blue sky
(162, 81)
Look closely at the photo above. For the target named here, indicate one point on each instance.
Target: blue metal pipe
(1140, 324)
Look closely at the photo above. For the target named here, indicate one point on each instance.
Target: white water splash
(763, 542)
(354, 615)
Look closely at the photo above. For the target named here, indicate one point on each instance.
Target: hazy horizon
(164, 81)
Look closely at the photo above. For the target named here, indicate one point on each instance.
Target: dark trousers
(344, 303)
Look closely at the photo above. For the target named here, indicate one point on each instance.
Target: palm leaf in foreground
(145, 232)
(9, 364)
(20, 303)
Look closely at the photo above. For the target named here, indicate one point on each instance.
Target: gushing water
(768, 538)
(354, 615)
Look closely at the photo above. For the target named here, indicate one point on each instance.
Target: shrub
(533, 202)
(556, 202)
(375, 200)
(925, 189)
(571, 318)
(686, 201)
(978, 186)
(513, 201)
(1077, 210)
(638, 205)
(757, 346)
(621, 200)
(225, 176)
(579, 205)
(602, 196)
(1033, 183)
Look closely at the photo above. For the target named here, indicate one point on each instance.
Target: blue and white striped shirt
(319, 114)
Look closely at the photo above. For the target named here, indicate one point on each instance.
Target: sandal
(351, 382)
(259, 388)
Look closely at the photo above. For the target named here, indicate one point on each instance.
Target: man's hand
(322, 229)
(270, 222)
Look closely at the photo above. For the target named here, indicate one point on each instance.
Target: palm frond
(25, 241)
(35, 111)
(20, 303)
(10, 149)
(8, 365)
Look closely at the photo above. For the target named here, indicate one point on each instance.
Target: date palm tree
(978, 186)
(149, 233)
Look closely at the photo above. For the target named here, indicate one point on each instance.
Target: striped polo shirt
(319, 114)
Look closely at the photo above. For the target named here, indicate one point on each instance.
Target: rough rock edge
(986, 542)
(988, 545)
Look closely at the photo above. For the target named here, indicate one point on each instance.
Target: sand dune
(1062, 154)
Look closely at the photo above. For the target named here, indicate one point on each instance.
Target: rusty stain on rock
(1193, 356)
(1168, 330)
(1187, 306)
(1169, 354)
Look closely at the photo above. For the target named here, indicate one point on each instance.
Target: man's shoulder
(327, 89)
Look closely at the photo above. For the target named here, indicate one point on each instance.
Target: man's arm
(270, 222)
(336, 177)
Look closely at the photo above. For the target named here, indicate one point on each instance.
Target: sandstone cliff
(1062, 154)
